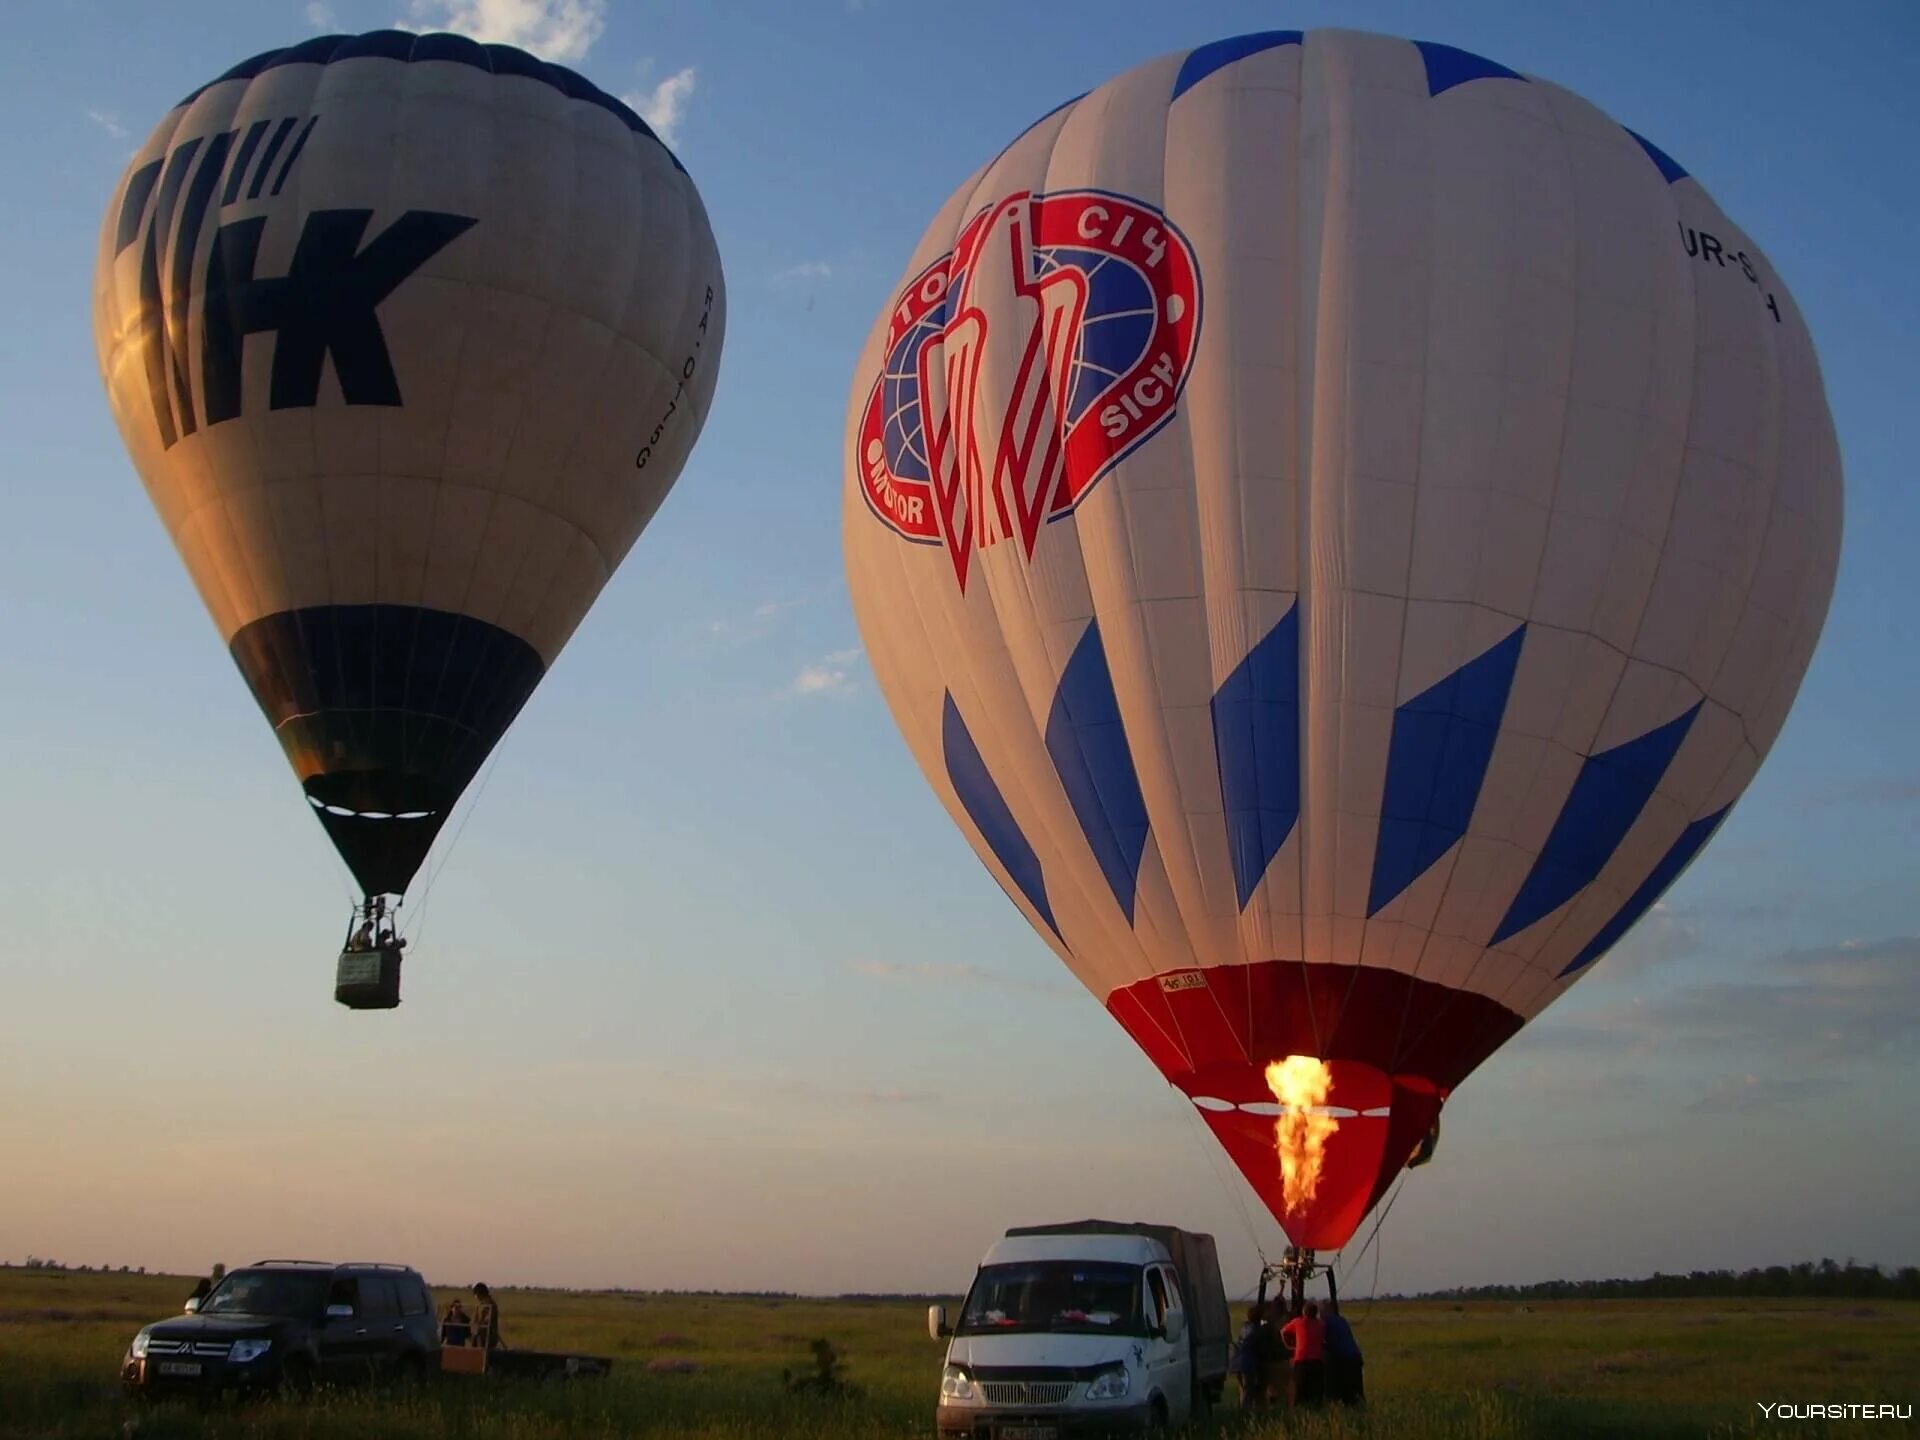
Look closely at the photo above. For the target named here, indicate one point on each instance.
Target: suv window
(344, 1291)
(413, 1296)
(379, 1297)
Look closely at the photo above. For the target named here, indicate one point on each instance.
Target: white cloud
(320, 15)
(805, 270)
(832, 674)
(664, 106)
(762, 620)
(551, 29)
(108, 121)
(822, 680)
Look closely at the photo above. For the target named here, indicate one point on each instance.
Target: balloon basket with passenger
(367, 976)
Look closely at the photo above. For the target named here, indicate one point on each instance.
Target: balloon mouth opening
(1317, 1138)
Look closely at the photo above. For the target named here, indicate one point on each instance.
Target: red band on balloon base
(1396, 1046)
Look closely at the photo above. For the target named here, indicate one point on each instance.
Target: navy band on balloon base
(386, 713)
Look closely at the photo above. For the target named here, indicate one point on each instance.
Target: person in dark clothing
(456, 1328)
(1250, 1358)
(202, 1288)
(1306, 1338)
(1346, 1376)
(486, 1320)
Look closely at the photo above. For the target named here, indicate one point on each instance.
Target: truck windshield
(268, 1292)
(1067, 1296)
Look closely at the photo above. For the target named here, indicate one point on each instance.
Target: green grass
(1473, 1371)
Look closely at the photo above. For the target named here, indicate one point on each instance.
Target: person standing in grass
(486, 1320)
(1306, 1339)
(1250, 1358)
(1346, 1380)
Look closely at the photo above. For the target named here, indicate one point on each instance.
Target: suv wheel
(296, 1375)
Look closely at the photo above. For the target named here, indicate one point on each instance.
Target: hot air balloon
(408, 337)
(1338, 522)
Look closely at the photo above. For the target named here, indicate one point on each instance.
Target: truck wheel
(1157, 1416)
(296, 1376)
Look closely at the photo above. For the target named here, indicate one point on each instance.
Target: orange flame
(1300, 1083)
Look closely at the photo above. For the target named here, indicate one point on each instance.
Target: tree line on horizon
(1822, 1280)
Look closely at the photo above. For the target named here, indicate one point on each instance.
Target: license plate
(1028, 1432)
(179, 1367)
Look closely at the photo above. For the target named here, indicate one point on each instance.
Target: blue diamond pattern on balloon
(1256, 737)
(1448, 67)
(987, 808)
(1203, 61)
(1436, 763)
(1651, 889)
(1095, 764)
(1608, 795)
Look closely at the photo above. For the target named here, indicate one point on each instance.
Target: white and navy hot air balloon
(408, 337)
(1338, 522)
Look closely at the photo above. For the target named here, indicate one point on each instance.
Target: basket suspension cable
(426, 891)
(1226, 1181)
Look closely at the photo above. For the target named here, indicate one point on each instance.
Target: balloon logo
(1338, 523)
(1098, 295)
(408, 338)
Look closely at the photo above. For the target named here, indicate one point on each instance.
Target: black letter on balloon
(324, 305)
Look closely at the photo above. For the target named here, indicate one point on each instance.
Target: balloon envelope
(408, 337)
(1338, 523)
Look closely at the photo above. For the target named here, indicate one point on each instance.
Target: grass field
(1476, 1371)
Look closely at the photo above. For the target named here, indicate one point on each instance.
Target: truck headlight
(1110, 1385)
(956, 1384)
(139, 1347)
(246, 1350)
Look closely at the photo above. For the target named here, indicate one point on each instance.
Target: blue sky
(711, 992)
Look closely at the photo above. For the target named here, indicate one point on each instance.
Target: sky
(710, 992)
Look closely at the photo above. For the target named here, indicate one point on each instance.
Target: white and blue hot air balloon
(1339, 523)
(408, 337)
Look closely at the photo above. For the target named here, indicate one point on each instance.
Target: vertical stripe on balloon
(1651, 889)
(1256, 738)
(1095, 764)
(1607, 797)
(1436, 762)
(987, 808)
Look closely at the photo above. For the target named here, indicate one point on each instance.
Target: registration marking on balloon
(1021, 366)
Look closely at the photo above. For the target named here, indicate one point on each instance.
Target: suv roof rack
(327, 1264)
(371, 1265)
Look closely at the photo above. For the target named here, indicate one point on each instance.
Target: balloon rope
(426, 893)
(1373, 1235)
(1226, 1182)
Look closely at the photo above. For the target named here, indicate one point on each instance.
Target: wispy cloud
(320, 15)
(664, 105)
(109, 121)
(755, 624)
(1803, 1012)
(835, 673)
(821, 680)
(805, 270)
(937, 972)
(552, 29)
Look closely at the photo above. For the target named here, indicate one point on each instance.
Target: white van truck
(1087, 1328)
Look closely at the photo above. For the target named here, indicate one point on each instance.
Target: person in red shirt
(1306, 1340)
